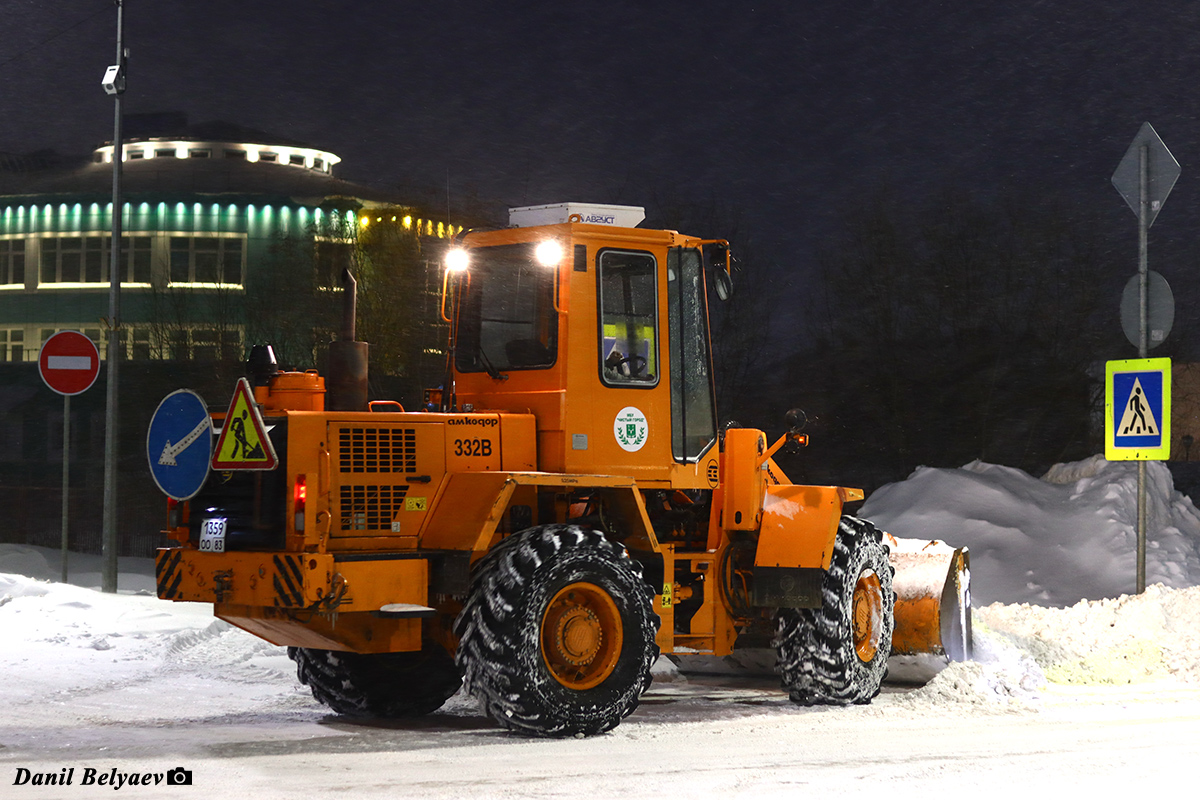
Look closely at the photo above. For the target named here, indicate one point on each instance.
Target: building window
(332, 258)
(12, 261)
(296, 160)
(85, 259)
(319, 164)
(206, 259)
(204, 344)
(72, 260)
(133, 154)
(269, 157)
(239, 155)
(12, 344)
(166, 152)
(199, 153)
(136, 343)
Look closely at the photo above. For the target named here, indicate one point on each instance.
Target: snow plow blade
(933, 598)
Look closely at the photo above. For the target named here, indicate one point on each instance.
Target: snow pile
(1002, 678)
(83, 569)
(1069, 536)
(1129, 639)
(1020, 649)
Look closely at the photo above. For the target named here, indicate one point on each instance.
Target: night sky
(786, 112)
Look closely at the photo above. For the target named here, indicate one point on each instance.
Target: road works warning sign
(1137, 410)
(243, 443)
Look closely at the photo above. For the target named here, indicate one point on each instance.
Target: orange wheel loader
(562, 511)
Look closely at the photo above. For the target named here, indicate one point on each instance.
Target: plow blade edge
(933, 598)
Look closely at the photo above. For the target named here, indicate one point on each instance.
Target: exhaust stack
(346, 384)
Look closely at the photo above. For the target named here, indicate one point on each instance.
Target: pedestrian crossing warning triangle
(1138, 417)
(243, 443)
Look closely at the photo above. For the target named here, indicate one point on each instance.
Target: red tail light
(299, 500)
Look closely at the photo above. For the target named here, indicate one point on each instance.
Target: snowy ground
(1099, 696)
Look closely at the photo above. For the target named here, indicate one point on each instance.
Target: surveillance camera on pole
(114, 80)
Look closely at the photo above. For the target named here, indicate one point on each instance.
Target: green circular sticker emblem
(631, 429)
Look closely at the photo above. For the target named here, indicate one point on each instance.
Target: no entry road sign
(69, 362)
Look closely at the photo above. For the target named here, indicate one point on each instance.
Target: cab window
(693, 414)
(507, 319)
(628, 319)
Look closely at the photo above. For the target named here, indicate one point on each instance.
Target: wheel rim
(868, 615)
(581, 636)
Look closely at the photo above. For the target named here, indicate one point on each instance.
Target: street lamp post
(114, 84)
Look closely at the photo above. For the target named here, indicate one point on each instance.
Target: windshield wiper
(491, 370)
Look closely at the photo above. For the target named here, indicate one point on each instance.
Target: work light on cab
(549, 253)
(457, 260)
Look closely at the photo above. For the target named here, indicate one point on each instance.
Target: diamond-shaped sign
(1162, 171)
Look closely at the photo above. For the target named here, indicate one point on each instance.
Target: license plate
(212, 535)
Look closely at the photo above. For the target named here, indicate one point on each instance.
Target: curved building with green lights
(214, 216)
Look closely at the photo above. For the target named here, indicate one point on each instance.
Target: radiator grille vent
(369, 508)
(377, 450)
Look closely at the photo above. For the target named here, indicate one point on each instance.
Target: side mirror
(723, 284)
(716, 257)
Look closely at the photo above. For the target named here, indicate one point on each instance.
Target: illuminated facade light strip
(197, 285)
(424, 227)
(57, 286)
(304, 157)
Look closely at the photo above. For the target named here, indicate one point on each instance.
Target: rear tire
(557, 635)
(378, 684)
(837, 654)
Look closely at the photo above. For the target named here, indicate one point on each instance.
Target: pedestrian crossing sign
(243, 443)
(1137, 410)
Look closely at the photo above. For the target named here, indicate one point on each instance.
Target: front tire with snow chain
(557, 635)
(837, 654)
(378, 684)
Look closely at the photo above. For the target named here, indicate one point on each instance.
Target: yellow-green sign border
(1111, 451)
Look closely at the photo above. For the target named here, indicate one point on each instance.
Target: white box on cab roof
(591, 213)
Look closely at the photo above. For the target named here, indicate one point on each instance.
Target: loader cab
(598, 328)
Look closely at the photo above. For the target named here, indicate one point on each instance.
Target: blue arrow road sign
(179, 444)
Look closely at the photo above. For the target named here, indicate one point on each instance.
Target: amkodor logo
(90, 776)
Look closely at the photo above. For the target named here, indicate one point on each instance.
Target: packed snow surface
(1077, 684)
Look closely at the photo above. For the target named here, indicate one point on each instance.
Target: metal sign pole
(1144, 177)
(66, 478)
(1143, 340)
(108, 573)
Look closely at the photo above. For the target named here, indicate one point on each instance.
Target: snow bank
(135, 574)
(1128, 639)
(1020, 650)
(1068, 536)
